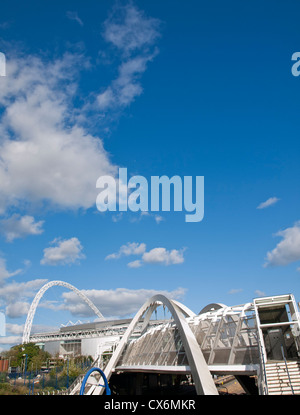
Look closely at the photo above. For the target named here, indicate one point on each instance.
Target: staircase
(282, 380)
(74, 388)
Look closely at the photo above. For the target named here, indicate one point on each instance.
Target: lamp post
(29, 384)
(56, 376)
(68, 372)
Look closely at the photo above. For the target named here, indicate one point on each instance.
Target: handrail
(78, 379)
(73, 385)
(287, 370)
(263, 365)
(261, 348)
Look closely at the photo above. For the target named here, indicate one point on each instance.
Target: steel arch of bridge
(39, 295)
(204, 383)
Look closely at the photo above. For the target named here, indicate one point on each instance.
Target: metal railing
(78, 380)
(263, 367)
(287, 370)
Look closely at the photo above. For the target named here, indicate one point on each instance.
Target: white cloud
(19, 291)
(10, 340)
(14, 333)
(46, 156)
(15, 328)
(235, 290)
(120, 302)
(154, 256)
(145, 214)
(117, 217)
(131, 248)
(74, 16)
(288, 250)
(135, 264)
(4, 273)
(158, 218)
(129, 30)
(16, 298)
(66, 251)
(126, 87)
(133, 34)
(269, 202)
(259, 293)
(163, 256)
(17, 309)
(20, 226)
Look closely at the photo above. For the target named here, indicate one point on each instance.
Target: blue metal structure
(95, 369)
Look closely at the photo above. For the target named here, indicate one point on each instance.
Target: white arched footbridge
(220, 340)
(39, 295)
(203, 381)
(241, 341)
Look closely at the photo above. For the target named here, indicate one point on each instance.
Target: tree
(35, 356)
(71, 369)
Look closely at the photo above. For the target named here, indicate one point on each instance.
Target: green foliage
(62, 372)
(72, 369)
(8, 389)
(35, 356)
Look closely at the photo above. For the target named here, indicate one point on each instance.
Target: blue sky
(160, 88)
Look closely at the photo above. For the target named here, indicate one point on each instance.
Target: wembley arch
(39, 295)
